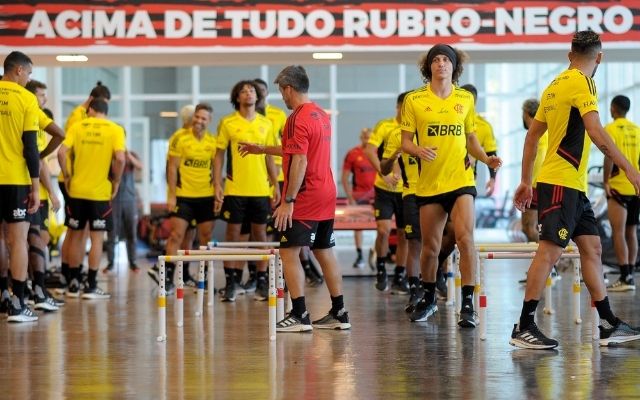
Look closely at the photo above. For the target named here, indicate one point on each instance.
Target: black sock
(414, 281)
(4, 283)
(467, 296)
(359, 251)
(261, 275)
(229, 274)
(380, 263)
(93, 282)
(170, 269)
(604, 311)
(75, 273)
(299, 306)
(237, 273)
(38, 279)
(337, 304)
(64, 270)
(253, 268)
(399, 271)
(18, 290)
(429, 292)
(528, 313)
(623, 272)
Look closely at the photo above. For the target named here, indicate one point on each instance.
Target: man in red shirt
(305, 214)
(361, 190)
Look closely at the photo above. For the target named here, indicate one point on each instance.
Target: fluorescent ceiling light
(169, 114)
(72, 58)
(327, 56)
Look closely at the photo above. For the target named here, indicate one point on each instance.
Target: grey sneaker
(531, 338)
(73, 290)
(95, 294)
(400, 285)
(19, 313)
(620, 285)
(415, 295)
(42, 301)
(620, 333)
(291, 323)
(262, 290)
(468, 318)
(338, 321)
(382, 282)
(423, 311)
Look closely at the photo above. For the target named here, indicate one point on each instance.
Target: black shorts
(41, 217)
(255, 210)
(13, 202)
(190, 209)
(315, 234)
(534, 200)
(411, 217)
(446, 200)
(63, 190)
(98, 213)
(563, 214)
(386, 204)
(632, 205)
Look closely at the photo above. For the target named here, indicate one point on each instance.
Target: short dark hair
(586, 43)
(204, 106)
(34, 85)
(530, 106)
(401, 97)
(237, 88)
(99, 105)
(15, 59)
(294, 76)
(470, 88)
(425, 64)
(261, 82)
(100, 90)
(621, 103)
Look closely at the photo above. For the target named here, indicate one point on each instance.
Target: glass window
(222, 79)
(368, 78)
(80, 81)
(161, 80)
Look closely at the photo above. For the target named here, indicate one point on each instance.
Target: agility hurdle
(483, 256)
(279, 276)
(215, 243)
(162, 293)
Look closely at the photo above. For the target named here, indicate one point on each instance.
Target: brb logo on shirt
(19, 213)
(444, 130)
(190, 162)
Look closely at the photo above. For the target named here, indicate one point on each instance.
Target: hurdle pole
(211, 287)
(219, 257)
(576, 291)
(482, 310)
(272, 299)
(215, 244)
(516, 247)
(180, 294)
(458, 282)
(476, 287)
(451, 284)
(548, 300)
(280, 290)
(162, 304)
(200, 294)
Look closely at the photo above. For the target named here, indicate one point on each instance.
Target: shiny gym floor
(108, 349)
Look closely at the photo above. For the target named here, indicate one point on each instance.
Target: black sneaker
(441, 287)
(468, 318)
(338, 321)
(262, 290)
(382, 283)
(531, 338)
(19, 313)
(95, 294)
(154, 273)
(358, 263)
(108, 268)
(250, 285)
(5, 301)
(291, 323)
(42, 301)
(59, 302)
(423, 311)
(73, 290)
(415, 295)
(400, 285)
(620, 333)
(229, 294)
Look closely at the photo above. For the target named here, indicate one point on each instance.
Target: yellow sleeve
(393, 143)
(119, 140)
(470, 120)
(32, 115)
(222, 141)
(43, 120)
(377, 136)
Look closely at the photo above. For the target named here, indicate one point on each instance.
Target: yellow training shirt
(19, 112)
(543, 145)
(195, 177)
(278, 118)
(245, 176)
(78, 114)
(408, 164)
(379, 138)
(444, 124)
(569, 96)
(43, 122)
(93, 142)
(626, 136)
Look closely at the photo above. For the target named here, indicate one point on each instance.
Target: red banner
(104, 26)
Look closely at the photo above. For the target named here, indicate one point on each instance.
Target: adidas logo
(283, 239)
(528, 338)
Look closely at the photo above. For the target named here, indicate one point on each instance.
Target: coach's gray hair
(294, 76)
(530, 106)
